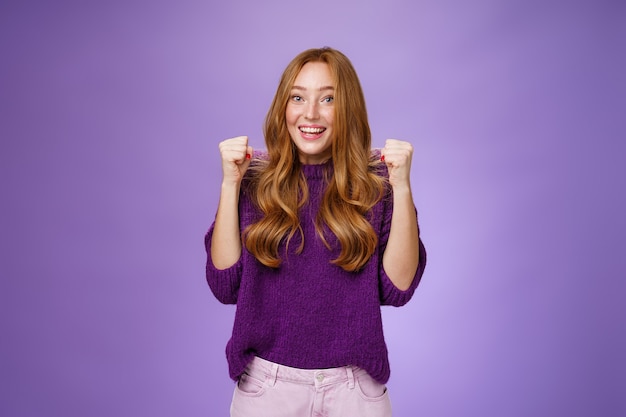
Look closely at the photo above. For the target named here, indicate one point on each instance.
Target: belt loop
(271, 378)
(350, 377)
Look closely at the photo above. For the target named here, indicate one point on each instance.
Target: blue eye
(296, 98)
(328, 99)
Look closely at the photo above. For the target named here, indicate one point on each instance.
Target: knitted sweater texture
(309, 313)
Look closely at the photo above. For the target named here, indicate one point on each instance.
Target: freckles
(289, 117)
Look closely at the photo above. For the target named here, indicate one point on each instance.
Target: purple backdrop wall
(110, 117)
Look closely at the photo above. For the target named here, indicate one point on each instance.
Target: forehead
(314, 75)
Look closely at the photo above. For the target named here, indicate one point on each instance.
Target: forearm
(226, 239)
(401, 256)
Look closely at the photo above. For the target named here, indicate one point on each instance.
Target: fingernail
(382, 158)
(247, 156)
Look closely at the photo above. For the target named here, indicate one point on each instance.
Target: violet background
(110, 115)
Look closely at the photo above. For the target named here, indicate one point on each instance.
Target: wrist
(401, 188)
(230, 184)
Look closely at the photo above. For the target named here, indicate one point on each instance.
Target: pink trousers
(267, 389)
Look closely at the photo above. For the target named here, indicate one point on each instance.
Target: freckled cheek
(291, 117)
(329, 118)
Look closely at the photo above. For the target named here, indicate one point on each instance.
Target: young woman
(310, 238)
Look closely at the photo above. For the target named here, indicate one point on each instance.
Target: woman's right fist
(236, 155)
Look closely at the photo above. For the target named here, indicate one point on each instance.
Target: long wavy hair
(279, 188)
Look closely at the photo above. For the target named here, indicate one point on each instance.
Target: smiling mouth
(312, 130)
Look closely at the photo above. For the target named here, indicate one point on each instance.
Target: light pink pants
(267, 389)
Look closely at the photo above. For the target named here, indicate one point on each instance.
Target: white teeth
(314, 130)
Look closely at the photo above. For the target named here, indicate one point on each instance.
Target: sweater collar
(316, 171)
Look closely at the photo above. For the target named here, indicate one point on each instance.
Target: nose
(312, 111)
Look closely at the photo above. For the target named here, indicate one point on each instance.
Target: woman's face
(310, 113)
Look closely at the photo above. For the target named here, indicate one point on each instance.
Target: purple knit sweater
(309, 313)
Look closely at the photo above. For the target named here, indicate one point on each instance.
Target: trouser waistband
(266, 370)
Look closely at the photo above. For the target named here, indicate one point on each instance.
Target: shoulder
(250, 181)
(260, 155)
(258, 162)
(376, 166)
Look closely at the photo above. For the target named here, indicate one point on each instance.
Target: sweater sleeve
(392, 295)
(224, 283)
(389, 293)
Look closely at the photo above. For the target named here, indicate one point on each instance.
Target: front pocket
(250, 386)
(370, 389)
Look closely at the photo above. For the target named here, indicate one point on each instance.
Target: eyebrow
(328, 87)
